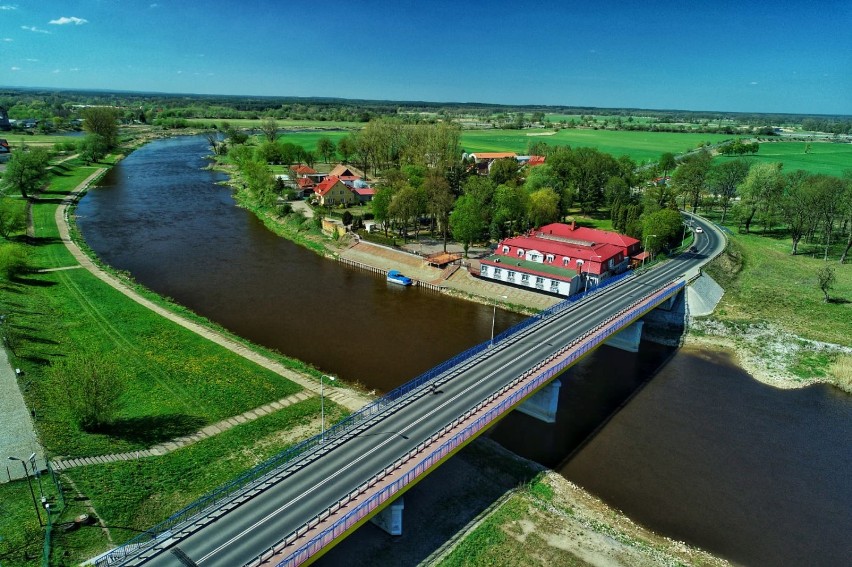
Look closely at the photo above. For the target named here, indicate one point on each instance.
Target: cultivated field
(823, 157)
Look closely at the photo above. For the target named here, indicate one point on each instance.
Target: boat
(395, 277)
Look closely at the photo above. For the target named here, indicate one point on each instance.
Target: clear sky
(764, 56)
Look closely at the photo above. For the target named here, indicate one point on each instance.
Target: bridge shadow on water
(438, 509)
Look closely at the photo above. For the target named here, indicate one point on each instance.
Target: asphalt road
(287, 504)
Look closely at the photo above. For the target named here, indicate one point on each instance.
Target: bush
(14, 260)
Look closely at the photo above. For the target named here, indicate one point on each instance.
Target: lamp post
(494, 318)
(322, 405)
(30, 483)
(586, 281)
(649, 237)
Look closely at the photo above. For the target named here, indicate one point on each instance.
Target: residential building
(332, 191)
(559, 259)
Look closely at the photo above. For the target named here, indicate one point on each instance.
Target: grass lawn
(823, 157)
(177, 381)
(18, 140)
(773, 286)
(640, 146)
(135, 495)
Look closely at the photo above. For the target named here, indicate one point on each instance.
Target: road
(280, 509)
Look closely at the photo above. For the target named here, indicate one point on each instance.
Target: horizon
(728, 57)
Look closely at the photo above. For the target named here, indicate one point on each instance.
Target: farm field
(824, 157)
(640, 146)
(283, 124)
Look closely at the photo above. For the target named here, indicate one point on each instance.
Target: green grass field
(248, 123)
(823, 157)
(640, 146)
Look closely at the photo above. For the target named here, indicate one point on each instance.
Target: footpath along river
(702, 453)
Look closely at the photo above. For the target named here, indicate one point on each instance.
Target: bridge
(291, 509)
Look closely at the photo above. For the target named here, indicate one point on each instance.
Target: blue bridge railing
(150, 537)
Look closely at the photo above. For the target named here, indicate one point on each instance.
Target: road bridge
(294, 507)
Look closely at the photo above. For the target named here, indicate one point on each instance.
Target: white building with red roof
(559, 259)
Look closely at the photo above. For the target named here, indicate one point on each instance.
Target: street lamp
(322, 405)
(30, 483)
(643, 258)
(494, 317)
(586, 281)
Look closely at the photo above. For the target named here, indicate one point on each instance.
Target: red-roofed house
(536, 160)
(332, 191)
(559, 259)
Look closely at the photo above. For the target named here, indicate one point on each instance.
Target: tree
(723, 179)
(14, 260)
(93, 386)
(543, 207)
(688, 179)
(26, 171)
(504, 171)
(799, 206)
(102, 121)
(826, 278)
(439, 202)
(847, 210)
(92, 148)
(759, 191)
(13, 217)
(466, 221)
(510, 207)
(408, 204)
(326, 148)
(381, 205)
(667, 163)
(661, 229)
(269, 127)
(346, 148)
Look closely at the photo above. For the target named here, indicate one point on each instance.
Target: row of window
(525, 279)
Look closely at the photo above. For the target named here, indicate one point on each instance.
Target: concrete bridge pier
(543, 404)
(390, 518)
(628, 338)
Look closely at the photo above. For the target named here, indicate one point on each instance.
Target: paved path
(175, 444)
(17, 434)
(348, 398)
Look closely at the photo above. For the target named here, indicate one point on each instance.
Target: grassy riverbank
(174, 383)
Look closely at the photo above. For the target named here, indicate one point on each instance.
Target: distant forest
(57, 109)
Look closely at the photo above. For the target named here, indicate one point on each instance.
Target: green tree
(504, 171)
(826, 278)
(13, 217)
(381, 205)
(93, 386)
(346, 148)
(510, 207)
(799, 206)
(466, 221)
(689, 178)
(326, 148)
(723, 179)
(102, 121)
(14, 260)
(667, 163)
(439, 202)
(269, 127)
(93, 148)
(26, 171)
(543, 207)
(760, 191)
(661, 229)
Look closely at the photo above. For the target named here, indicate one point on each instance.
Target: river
(702, 453)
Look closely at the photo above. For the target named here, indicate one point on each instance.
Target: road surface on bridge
(323, 477)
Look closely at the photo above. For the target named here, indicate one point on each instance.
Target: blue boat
(395, 277)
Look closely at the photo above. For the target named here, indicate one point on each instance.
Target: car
(699, 230)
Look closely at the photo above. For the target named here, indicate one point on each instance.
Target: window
(539, 282)
(548, 258)
(554, 286)
(497, 272)
(565, 260)
(505, 250)
(520, 252)
(510, 276)
(525, 279)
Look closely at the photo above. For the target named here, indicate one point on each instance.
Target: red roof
(364, 191)
(305, 182)
(300, 169)
(536, 160)
(590, 235)
(326, 184)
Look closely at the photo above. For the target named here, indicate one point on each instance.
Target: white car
(699, 230)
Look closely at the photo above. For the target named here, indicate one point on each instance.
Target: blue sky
(792, 56)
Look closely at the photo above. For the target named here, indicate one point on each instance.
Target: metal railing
(273, 465)
(574, 351)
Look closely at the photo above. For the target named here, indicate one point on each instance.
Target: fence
(574, 351)
(228, 493)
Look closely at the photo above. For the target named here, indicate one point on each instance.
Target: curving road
(321, 478)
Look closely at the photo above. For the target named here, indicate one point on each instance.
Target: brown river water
(684, 442)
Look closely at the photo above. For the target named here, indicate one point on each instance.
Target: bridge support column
(390, 519)
(627, 339)
(543, 404)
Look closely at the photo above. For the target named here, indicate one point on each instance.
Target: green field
(823, 157)
(640, 146)
(248, 123)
